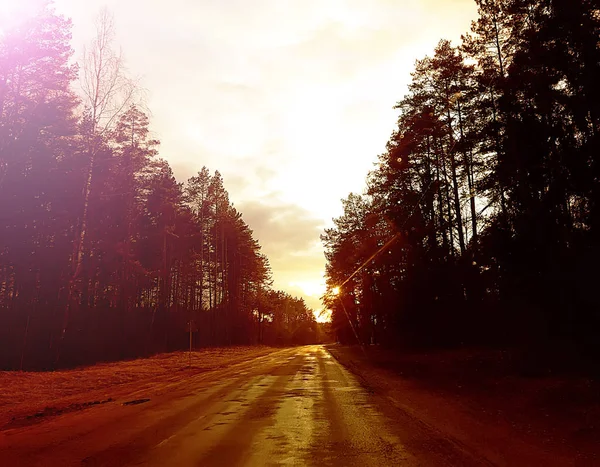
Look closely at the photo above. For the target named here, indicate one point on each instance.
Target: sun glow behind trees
(15, 14)
(274, 94)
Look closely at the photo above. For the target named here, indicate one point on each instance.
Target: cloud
(285, 229)
(335, 52)
(290, 100)
(289, 236)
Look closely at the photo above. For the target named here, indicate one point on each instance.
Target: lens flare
(12, 13)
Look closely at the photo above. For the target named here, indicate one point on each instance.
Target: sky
(291, 100)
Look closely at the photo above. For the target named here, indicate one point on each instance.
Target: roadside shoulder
(486, 423)
(31, 397)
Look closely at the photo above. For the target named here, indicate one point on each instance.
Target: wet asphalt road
(293, 407)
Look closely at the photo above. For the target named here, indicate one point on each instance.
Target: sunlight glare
(310, 288)
(13, 13)
(323, 316)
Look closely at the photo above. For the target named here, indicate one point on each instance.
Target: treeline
(488, 193)
(103, 254)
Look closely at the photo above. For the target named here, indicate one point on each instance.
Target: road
(293, 407)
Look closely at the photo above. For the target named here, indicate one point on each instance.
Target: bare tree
(106, 87)
(107, 93)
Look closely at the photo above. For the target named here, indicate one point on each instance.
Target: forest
(104, 255)
(480, 223)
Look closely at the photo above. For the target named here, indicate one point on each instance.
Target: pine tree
(38, 172)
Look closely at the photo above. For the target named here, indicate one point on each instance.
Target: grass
(28, 396)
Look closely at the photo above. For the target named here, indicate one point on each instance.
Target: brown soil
(468, 393)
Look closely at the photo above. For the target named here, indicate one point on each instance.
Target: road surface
(293, 407)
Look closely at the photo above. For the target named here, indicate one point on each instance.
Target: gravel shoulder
(477, 399)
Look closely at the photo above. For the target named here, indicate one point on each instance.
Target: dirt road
(292, 407)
